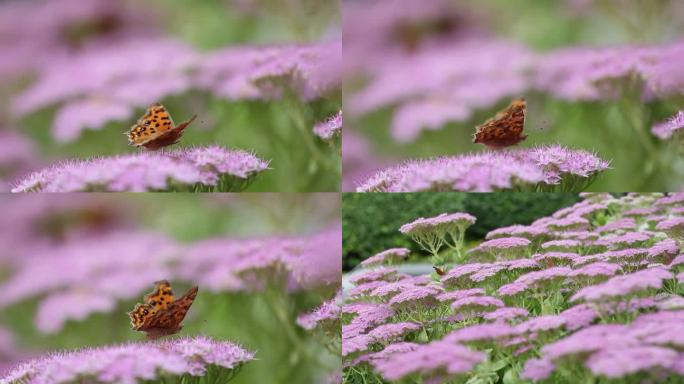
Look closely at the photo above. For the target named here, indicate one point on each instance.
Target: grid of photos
(504, 205)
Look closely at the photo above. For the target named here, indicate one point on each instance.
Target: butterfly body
(161, 314)
(156, 129)
(505, 128)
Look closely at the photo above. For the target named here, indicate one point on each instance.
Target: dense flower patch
(591, 292)
(542, 168)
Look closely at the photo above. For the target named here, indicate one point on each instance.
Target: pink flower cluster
(133, 362)
(543, 166)
(98, 84)
(184, 169)
(541, 308)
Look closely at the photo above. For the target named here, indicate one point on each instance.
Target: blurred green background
(246, 318)
(617, 130)
(371, 221)
(278, 130)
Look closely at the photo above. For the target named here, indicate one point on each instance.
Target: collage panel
(177, 95)
(498, 95)
(149, 288)
(513, 288)
(502, 207)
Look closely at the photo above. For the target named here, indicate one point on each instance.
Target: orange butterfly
(505, 128)
(155, 129)
(439, 270)
(161, 314)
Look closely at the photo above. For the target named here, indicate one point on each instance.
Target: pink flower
(330, 128)
(386, 256)
(178, 169)
(666, 129)
(437, 356)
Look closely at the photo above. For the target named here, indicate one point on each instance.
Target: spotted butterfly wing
(505, 128)
(161, 297)
(156, 129)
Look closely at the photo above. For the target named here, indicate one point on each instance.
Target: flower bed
(592, 292)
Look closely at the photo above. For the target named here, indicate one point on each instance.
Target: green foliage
(371, 221)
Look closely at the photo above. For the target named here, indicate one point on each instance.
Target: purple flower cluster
(36, 33)
(330, 128)
(387, 256)
(488, 171)
(616, 350)
(504, 247)
(624, 224)
(528, 232)
(620, 286)
(326, 317)
(625, 240)
(436, 359)
(386, 274)
(466, 274)
(184, 169)
(97, 84)
(552, 310)
(134, 362)
(434, 232)
(673, 227)
(666, 129)
(445, 220)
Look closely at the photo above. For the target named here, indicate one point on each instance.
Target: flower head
(537, 369)
(437, 356)
(379, 274)
(625, 224)
(617, 363)
(131, 363)
(666, 129)
(620, 286)
(386, 256)
(541, 323)
(445, 220)
(483, 172)
(528, 232)
(327, 316)
(488, 171)
(476, 304)
(388, 332)
(180, 169)
(415, 297)
(479, 332)
(506, 313)
(502, 247)
(330, 128)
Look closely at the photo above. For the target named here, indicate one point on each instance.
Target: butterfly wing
(141, 314)
(167, 321)
(161, 297)
(169, 137)
(154, 123)
(505, 128)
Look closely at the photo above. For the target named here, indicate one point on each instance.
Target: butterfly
(162, 313)
(155, 129)
(439, 270)
(505, 128)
